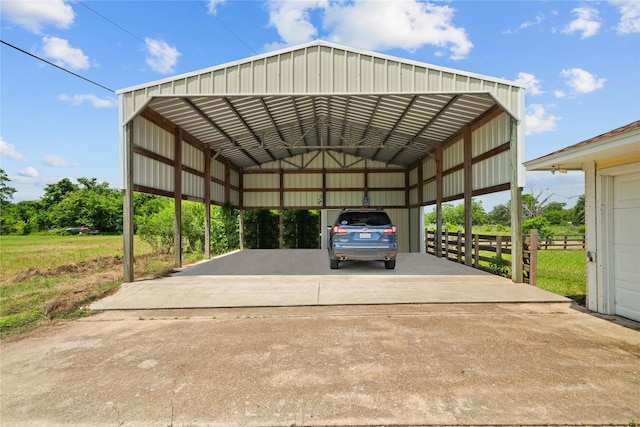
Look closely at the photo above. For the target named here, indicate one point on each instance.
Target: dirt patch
(102, 263)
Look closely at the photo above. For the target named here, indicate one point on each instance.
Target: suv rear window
(364, 218)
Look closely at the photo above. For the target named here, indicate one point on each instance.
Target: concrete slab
(280, 291)
(277, 278)
(392, 365)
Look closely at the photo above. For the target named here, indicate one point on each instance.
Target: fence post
(565, 242)
(446, 243)
(476, 249)
(499, 246)
(533, 257)
(459, 248)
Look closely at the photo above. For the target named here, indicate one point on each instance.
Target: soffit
(250, 130)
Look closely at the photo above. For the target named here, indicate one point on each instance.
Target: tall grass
(44, 278)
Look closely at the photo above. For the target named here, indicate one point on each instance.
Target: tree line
(94, 206)
(537, 212)
(89, 205)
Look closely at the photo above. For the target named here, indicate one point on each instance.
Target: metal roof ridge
(323, 43)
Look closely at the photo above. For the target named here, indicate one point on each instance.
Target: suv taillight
(390, 230)
(338, 230)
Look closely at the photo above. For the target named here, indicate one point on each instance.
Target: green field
(45, 278)
(48, 278)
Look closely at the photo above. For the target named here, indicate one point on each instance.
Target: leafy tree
(454, 215)
(555, 213)
(539, 223)
(55, 193)
(500, 214)
(578, 211)
(95, 206)
(301, 229)
(6, 192)
(262, 229)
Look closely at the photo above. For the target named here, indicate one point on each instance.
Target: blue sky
(580, 60)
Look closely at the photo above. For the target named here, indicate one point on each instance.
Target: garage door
(626, 241)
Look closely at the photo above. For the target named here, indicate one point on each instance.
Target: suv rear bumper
(363, 254)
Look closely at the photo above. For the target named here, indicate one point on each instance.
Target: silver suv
(363, 235)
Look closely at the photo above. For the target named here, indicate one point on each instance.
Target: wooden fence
(488, 251)
(565, 242)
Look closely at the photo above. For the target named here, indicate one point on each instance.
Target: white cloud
(95, 101)
(587, 23)
(292, 20)
(537, 120)
(559, 93)
(29, 173)
(56, 161)
(630, 16)
(212, 7)
(582, 81)
(536, 21)
(532, 83)
(63, 54)
(161, 57)
(372, 25)
(8, 151)
(34, 15)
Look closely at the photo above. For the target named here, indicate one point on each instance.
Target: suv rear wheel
(333, 264)
(390, 265)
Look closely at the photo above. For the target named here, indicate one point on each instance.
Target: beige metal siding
(429, 192)
(345, 180)
(491, 135)
(305, 199)
(303, 180)
(344, 198)
(453, 184)
(386, 198)
(492, 171)
(429, 169)
(269, 199)
(151, 173)
(400, 217)
(217, 193)
(453, 155)
(192, 157)
(386, 179)
(152, 138)
(192, 185)
(269, 181)
(218, 170)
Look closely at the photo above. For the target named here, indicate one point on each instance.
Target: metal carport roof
(324, 96)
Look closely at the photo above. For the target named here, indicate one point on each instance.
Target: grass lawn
(45, 278)
(563, 273)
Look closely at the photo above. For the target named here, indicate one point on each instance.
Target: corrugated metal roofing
(322, 96)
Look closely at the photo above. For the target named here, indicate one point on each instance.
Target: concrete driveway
(444, 363)
(269, 278)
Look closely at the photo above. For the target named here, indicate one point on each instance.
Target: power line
(133, 35)
(227, 28)
(57, 66)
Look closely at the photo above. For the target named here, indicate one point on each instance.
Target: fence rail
(486, 248)
(566, 242)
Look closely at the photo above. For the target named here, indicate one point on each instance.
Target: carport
(323, 126)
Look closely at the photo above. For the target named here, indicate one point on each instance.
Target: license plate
(365, 235)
